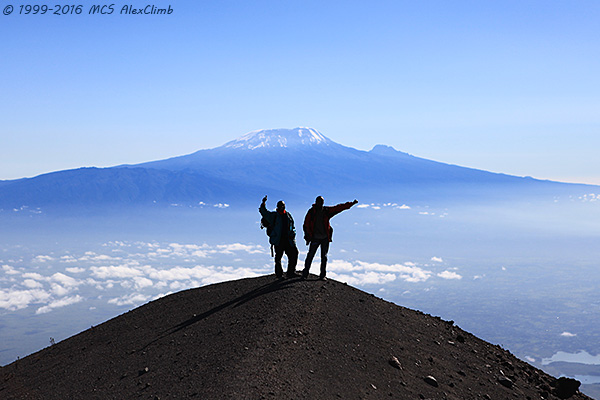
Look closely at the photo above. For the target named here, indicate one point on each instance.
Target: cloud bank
(131, 273)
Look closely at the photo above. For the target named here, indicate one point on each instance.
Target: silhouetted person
(318, 232)
(283, 236)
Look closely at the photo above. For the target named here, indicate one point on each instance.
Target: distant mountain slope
(299, 163)
(303, 160)
(262, 338)
(271, 156)
(117, 187)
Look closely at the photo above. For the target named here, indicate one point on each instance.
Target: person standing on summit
(318, 232)
(282, 236)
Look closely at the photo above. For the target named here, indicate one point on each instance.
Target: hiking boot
(292, 274)
(322, 278)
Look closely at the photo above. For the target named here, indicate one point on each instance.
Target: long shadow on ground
(253, 294)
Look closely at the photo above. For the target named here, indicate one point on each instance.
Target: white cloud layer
(129, 299)
(65, 301)
(449, 275)
(15, 299)
(568, 334)
(112, 271)
(359, 272)
(131, 273)
(378, 206)
(9, 270)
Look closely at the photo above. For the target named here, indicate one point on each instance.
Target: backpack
(264, 223)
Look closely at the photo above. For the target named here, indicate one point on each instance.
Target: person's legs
(324, 250)
(278, 254)
(292, 254)
(309, 257)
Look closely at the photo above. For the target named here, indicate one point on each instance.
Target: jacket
(328, 213)
(276, 220)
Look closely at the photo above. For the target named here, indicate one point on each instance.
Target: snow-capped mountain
(292, 163)
(269, 138)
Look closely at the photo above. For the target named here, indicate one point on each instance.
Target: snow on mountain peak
(279, 138)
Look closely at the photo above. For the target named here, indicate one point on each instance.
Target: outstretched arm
(340, 207)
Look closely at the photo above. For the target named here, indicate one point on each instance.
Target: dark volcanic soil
(261, 338)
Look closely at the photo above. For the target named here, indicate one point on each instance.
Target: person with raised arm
(282, 235)
(318, 232)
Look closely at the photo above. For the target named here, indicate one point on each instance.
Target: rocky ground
(261, 338)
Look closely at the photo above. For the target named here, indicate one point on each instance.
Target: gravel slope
(260, 338)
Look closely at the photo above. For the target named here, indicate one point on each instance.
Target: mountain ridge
(264, 338)
(298, 163)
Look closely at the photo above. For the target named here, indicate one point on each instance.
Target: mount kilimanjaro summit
(261, 338)
(290, 163)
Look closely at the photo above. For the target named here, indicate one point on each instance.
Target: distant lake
(588, 379)
(581, 357)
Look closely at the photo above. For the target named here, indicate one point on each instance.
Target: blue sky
(509, 86)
